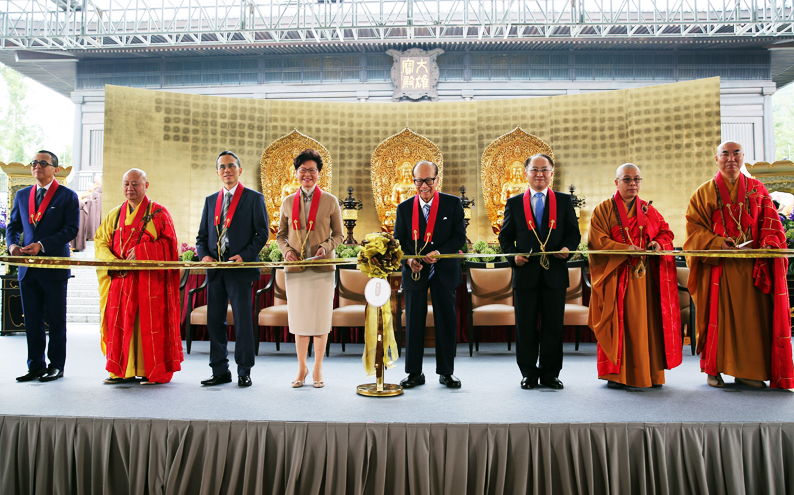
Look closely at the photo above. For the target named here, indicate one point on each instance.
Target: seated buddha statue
(287, 189)
(515, 184)
(400, 191)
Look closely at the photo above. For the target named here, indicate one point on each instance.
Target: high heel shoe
(319, 383)
(299, 383)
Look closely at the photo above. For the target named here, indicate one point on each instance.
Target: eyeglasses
(41, 164)
(230, 166)
(536, 171)
(628, 180)
(429, 181)
(304, 171)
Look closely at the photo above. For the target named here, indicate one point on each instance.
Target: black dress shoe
(51, 375)
(218, 379)
(615, 385)
(552, 382)
(449, 380)
(31, 375)
(244, 381)
(528, 383)
(412, 380)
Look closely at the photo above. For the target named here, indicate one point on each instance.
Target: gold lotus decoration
(503, 170)
(392, 166)
(278, 171)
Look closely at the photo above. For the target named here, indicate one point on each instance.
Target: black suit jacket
(247, 234)
(449, 235)
(515, 237)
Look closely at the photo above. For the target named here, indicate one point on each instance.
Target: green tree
(20, 135)
(783, 112)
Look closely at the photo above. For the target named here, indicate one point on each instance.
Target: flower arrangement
(187, 252)
(482, 247)
(343, 251)
(380, 254)
(271, 252)
(583, 256)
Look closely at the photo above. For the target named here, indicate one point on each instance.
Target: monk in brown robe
(634, 308)
(743, 320)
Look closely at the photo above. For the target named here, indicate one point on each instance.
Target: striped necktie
(40, 196)
(432, 266)
(227, 199)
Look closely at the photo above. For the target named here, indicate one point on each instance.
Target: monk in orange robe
(139, 308)
(743, 318)
(634, 308)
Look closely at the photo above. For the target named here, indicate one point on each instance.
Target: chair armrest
(586, 279)
(192, 292)
(268, 286)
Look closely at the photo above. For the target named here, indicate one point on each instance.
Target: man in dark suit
(233, 228)
(441, 215)
(539, 220)
(45, 218)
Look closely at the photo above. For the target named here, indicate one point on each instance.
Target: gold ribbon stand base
(385, 390)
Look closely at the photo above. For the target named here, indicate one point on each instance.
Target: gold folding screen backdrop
(669, 131)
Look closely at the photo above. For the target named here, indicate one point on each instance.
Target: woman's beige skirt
(310, 302)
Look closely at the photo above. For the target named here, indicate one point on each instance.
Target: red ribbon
(35, 218)
(431, 219)
(552, 208)
(232, 207)
(296, 209)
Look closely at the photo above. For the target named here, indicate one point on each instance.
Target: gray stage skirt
(110, 455)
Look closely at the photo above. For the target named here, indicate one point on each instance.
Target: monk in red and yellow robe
(139, 308)
(743, 318)
(634, 307)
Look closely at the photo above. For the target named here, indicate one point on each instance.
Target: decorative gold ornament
(277, 171)
(503, 170)
(392, 165)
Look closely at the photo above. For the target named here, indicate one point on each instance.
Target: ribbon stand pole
(379, 388)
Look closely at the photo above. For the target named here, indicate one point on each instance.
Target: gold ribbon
(390, 349)
(62, 263)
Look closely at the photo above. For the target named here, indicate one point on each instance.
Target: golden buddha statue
(400, 191)
(516, 184)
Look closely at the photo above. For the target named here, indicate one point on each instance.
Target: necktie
(227, 199)
(432, 267)
(539, 211)
(40, 196)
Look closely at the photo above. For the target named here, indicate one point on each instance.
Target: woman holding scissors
(310, 226)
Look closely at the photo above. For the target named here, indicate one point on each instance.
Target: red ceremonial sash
(637, 233)
(431, 221)
(296, 210)
(125, 231)
(232, 207)
(552, 209)
(36, 217)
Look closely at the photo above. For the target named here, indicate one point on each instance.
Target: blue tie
(432, 267)
(40, 197)
(539, 210)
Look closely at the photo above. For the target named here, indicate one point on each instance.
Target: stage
(490, 436)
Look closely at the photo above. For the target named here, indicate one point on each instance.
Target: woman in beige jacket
(314, 232)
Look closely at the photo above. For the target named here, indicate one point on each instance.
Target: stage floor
(490, 392)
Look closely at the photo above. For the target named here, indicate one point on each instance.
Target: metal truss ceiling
(78, 25)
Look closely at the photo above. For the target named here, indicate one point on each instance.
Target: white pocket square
(445, 218)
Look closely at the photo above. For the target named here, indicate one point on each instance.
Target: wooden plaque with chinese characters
(415, 73)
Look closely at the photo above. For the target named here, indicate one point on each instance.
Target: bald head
(627, 169)
(730, 158)
(134, 186)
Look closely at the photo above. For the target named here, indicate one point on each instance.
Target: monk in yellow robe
(743, 319)
(634, 308)
(139, 308)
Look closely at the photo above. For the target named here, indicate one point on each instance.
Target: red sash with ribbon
(431, 221)
(232, 206)
(552, 208)
(296, 210)
(36, 214)
(123, 235)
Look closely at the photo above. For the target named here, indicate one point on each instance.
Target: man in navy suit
(233, 228)
(45, 218)
(539, 291)
(441, 214)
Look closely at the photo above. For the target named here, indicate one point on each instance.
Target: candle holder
(578, 202)
(467, 204)
(350, 207)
